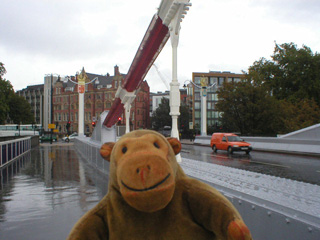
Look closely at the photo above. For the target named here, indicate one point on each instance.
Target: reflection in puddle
(45, 192)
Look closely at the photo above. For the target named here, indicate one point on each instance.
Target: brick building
(99, 96)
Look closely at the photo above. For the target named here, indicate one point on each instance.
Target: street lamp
(204, 87)
(82, 81)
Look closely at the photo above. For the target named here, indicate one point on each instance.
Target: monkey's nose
(143, 172)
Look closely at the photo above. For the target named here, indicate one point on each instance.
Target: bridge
(273, 208)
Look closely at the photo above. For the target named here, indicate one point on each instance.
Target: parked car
(70, 137)
(47, 138)
(229, 142)
(166, 131)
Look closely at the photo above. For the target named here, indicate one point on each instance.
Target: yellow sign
(204, 81)
(56, 130)
(51, 126)
(82, 79)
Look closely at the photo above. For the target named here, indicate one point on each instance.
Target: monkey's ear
(175, 144)
(105, 150)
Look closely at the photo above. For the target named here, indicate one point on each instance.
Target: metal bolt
(269, 213)
(288, 220)
(240, 202)
(253, 207)
(310, 229)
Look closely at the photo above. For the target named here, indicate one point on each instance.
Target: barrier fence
(10, 150)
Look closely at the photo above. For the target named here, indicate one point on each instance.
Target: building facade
(49, 82)
(194, 93)
(155, 99)
(34, 94)
(98, 97)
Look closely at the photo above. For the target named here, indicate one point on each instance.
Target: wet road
(45, 192)
(295, 167)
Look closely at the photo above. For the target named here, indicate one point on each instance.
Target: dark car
(166, 131)
(47, 138)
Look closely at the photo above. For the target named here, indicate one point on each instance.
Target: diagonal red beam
(152, 43)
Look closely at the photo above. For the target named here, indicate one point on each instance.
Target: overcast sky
(39, 37)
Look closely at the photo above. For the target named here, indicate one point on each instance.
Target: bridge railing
(11, 150)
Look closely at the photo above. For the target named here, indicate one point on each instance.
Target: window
(197, 80)
(197, 105)
(221, 80)
(213, 80)
(197, 96)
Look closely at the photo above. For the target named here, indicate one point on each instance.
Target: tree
(247, 108)
(277, 96)
(15, 107)
(292, 74)
(20, 110)
(298, 115)
(161, 116)
(6, 90)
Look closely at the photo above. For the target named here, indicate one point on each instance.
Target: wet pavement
(46, 191)
(290, 166)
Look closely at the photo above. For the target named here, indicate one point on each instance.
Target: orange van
(229, 142)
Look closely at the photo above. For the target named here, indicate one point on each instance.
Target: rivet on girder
(253, 207)
(240, 202)
(287, 220)
(269, 213)
(310, 229)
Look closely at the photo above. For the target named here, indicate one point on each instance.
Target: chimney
(116, 70)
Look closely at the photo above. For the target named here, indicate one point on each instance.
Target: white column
(127, 108)
(203, 115)
(174, 85)
(81, 115)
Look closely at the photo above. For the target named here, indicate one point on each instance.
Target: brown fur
(150, 197)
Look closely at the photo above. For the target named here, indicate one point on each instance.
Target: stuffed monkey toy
(150, 197)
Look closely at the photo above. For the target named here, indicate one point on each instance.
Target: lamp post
(83, 80)
(204, 87)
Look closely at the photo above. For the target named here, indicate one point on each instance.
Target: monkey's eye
(124, 149)
(156, 145)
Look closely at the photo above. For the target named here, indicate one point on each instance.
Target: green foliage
(248, 109)
(292, 74)
(14, 107)
(161, 116)
(278, 96)
(6, 91)
(20, 110)
(298, 115)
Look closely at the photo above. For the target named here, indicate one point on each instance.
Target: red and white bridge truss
(152, 43)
